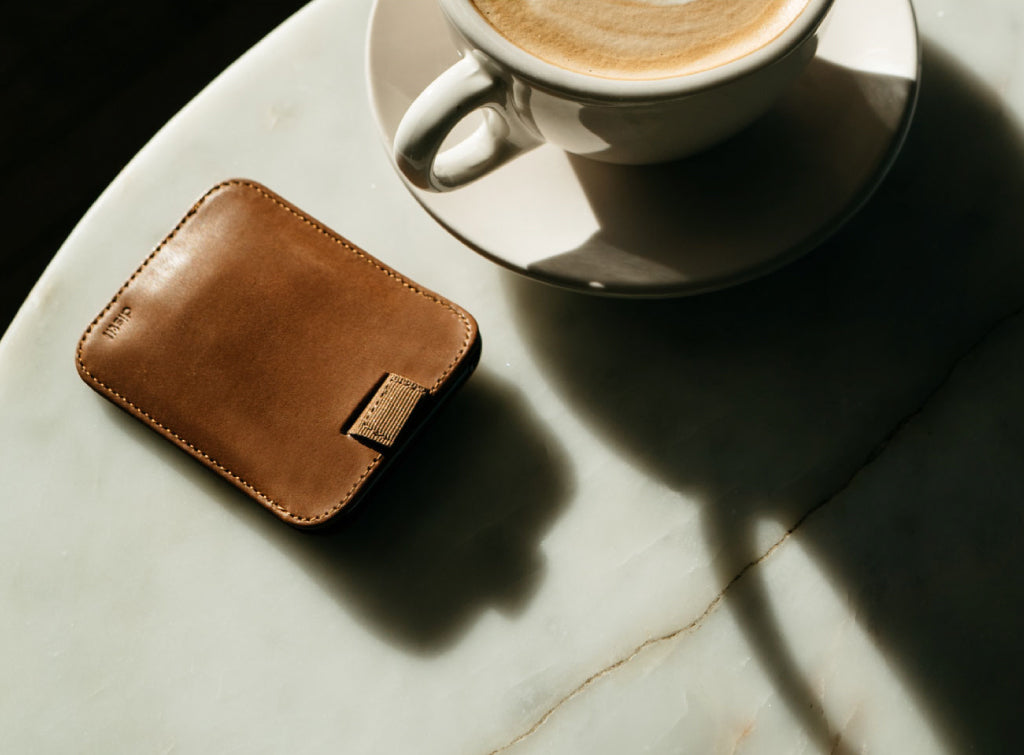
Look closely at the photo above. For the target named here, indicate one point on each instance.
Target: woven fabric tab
(390, 408)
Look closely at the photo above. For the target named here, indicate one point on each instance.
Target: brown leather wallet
(276, 352)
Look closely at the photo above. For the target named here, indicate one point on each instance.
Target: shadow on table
(453, 528)
(642, 209)
(451, 531)
(765, 400)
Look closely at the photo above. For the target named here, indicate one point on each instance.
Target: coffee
(640, 39)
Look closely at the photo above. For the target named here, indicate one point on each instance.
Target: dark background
(84, 85)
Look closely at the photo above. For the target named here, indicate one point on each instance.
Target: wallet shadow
(452, 530)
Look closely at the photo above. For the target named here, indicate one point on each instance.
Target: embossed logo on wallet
(118, 323)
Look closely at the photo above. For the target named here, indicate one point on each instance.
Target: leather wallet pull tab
(384, 417)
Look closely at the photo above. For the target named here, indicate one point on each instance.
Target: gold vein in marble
(654, 641)
(876, 451)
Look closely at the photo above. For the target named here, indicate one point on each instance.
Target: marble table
(807, 543)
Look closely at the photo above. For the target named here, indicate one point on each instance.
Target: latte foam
(640, 39)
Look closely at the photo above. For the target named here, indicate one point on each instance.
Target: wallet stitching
(242, 481)
(267, 500)
(369, 260)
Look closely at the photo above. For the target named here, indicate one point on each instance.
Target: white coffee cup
(527, 101)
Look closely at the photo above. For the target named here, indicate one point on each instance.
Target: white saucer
(731, 214)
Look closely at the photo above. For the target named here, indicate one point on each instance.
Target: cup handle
(471, 84)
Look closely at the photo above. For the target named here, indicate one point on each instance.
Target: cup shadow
(764, 400)
(735, 212)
